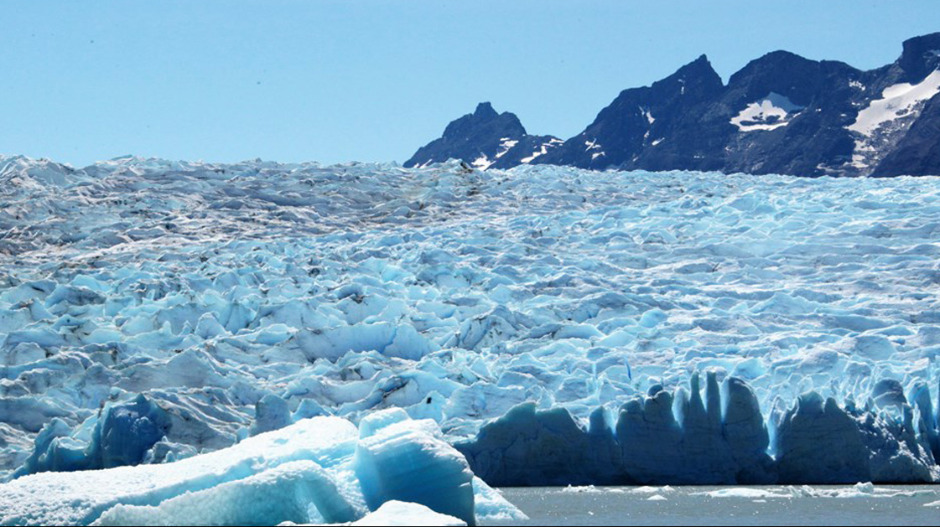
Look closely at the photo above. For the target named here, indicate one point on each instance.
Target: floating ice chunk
(394, 513)
(316, 470)
(491, 506)
(81, 497)
(652, 490)
(745, 492)
(582, 489)
(400, 462)
(375, 421)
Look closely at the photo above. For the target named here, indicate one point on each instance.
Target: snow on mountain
(191, 305)
(485, 139)
(779, 114)
(896, 101)
(769, 113)
(891, 115)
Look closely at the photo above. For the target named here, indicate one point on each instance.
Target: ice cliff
(681, 438)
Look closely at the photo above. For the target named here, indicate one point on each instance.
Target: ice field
(152, 310)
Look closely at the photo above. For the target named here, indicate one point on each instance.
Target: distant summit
(781, 113)
(485, 139)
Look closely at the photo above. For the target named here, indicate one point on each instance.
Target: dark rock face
(781, 113)
(918, 152)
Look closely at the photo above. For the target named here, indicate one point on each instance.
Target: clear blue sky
(331, 81)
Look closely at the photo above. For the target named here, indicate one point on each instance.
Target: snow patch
(896, 102)
(769, 113)
(543, 149)
(505, 145)
(482, 162)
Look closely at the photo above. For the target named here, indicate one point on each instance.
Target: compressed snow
(227, 294)
(771, 112)
(311, 471)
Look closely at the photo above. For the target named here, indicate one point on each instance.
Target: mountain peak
(484, 135)
(485, 110)
(920, 55)
(781, 113)
(700, 65)
(698, 76)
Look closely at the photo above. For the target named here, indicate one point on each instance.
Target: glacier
(675, 327)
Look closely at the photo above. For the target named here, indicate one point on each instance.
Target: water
(829, 505)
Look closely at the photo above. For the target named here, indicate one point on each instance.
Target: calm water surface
(818, 505)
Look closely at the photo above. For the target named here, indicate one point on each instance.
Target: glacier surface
(152, 310)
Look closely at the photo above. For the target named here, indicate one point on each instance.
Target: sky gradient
(334, 81)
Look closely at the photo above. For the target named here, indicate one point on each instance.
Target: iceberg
(318, 470)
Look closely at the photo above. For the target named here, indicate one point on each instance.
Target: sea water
(769, 505)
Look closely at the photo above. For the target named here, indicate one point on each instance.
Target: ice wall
(679, 438)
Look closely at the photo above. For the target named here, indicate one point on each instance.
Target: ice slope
(317, 470)
(240, 298)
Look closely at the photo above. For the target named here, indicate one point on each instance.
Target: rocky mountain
(485, 139)
(781, 113)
